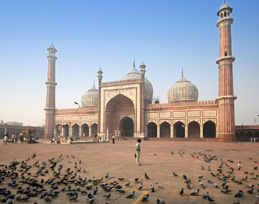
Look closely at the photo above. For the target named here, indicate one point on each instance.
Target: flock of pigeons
(20, 181)
(225, 178)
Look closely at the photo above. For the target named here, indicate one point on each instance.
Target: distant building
(14, 123)
(17, 129)
(125, 108)
(2, 122)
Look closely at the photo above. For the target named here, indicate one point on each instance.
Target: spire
(93, 84)
(182, 72)
(134, 65)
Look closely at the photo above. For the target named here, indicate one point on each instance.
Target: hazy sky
(167, 35)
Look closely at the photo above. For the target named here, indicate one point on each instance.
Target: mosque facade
(124, 108)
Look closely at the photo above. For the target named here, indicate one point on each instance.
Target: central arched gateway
(127, 127)
(120, 116)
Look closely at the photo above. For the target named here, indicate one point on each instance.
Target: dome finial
(93, 84)
(134, 64)
(182, 72)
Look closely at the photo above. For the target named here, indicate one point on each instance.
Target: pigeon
(95, 190)
(145, 198)
(181, 192)
(239, 193)
(107, 195)
(146, 176)
(172, 152)
(120, 190)
(250, 191)
(206, 195)
(120, 179)
(136, 179)
(128, 183)
(152, 188)
(175, 174)
(107, 175)
(195, 192)
(90, 200)
(159, 186)
(9, 201)
(74, 197)
(46, 198)
(140, 187)
(158, 201)
(210, 199)
(131, 195)
(201, 184)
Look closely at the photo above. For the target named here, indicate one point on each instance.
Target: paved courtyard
(118, 160)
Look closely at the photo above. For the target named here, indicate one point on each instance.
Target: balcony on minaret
(224, 11)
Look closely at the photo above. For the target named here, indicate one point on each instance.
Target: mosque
(124, 108)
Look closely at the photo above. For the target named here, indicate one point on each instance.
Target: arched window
(226, 53)
(225, 14)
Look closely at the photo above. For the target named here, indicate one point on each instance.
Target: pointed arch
(94, 130)
(209, 129)
(193, 130)
(75, 130)
(165, 129)
(127, 127)
(85, 130)
(179, 129)
(151, 129)
(118, 108)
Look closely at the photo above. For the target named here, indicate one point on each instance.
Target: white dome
(134, 74)
(183, 90)
(90, 98)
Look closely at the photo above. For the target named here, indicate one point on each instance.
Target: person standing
(113, 139)
(138, 149)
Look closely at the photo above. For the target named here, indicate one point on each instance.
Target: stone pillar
(63, 131)
(158, 131)
(201, 131)
(70, 131)
(90, 132)
(80, 131)
(226, 112)
(172, 131)
(186, 131)
(50, 108)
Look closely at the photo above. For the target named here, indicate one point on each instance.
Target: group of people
(99, 138)
(251, 139)
(14, 138)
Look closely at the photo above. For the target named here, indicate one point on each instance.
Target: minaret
(142, 98)
(100, 77)
(226, 111)
(50, 100)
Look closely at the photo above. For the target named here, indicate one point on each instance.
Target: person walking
(5, 139)
(138, 149)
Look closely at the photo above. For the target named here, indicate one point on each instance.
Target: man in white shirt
(138, 149)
